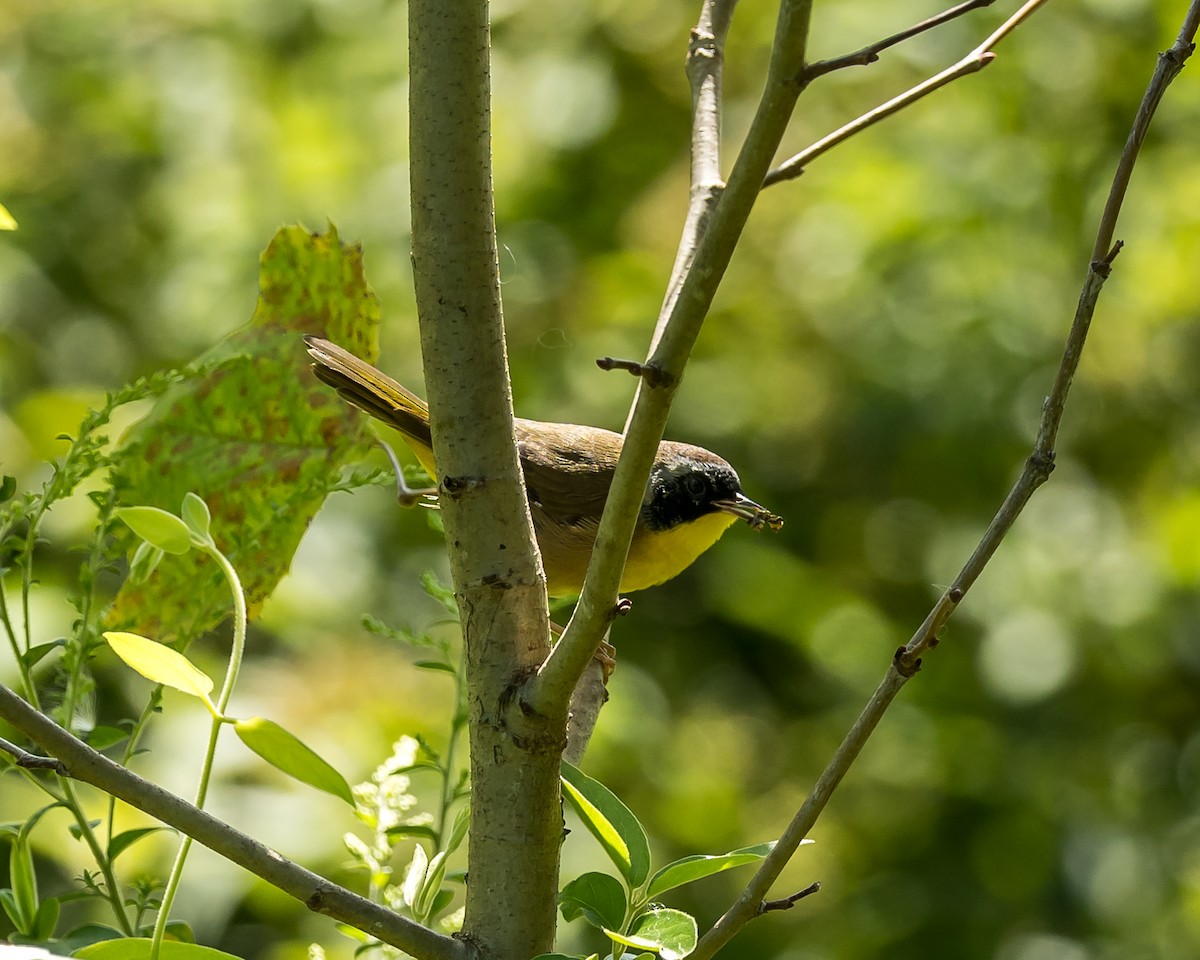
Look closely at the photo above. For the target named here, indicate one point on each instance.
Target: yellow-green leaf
(138, 948)
(285, 752)
(160, 663)
(158, 528)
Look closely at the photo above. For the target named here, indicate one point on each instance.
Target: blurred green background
(874, 366)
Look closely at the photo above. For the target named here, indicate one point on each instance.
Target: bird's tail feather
(375, 393)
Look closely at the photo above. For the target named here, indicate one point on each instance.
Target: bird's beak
(742, 507)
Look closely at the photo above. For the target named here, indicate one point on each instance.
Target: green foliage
(626, 912)
(611, 822)
(388, 807)
(257, 438)
(161, 533)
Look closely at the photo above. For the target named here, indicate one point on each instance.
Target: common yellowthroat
(692, 498)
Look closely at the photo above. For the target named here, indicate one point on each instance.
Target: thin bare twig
(31, 761)
(788, 902)
(651, 373)
(870, 53)
(705, 68)
(1038, 466)
(678, 327)
(320, 895)
(973, 62)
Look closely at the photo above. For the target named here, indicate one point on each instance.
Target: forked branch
(1038, 466)
(973, 62)
(870, 53)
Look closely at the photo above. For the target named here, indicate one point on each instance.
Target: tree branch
(973, 62)
(1038, 466)
(677, 329)
(516, 830)
(705, 67)
(871, 52)
(320, 895)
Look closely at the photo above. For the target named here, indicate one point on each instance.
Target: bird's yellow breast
(658, 555)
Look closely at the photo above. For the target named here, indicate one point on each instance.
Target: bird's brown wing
(568, 471)
(568, 468)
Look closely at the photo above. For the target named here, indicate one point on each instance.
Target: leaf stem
(218, 720)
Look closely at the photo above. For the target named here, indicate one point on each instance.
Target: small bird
(692, 498)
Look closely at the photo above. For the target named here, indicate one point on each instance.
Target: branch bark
(516, 828)
(1038, 467)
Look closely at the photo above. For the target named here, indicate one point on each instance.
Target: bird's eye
(695, 485)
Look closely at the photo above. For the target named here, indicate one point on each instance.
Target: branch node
(703, 46)
(316, 901)
(31, 761)
(906, 665)
(622, 607)
(955, 594)
(455, 487)
(652, 373)
(1041, 465)
(1103, 267)
(788, 902)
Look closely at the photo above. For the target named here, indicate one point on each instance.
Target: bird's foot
(406, 496)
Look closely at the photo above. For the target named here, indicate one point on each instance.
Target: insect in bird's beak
(742, 507)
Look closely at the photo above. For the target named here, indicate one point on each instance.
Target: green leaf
(7, 222)
(87, 933)
(565, 956)
(158, 528)
(437, 665)
(597, 897)
(430, 886)
(138, 948)
(442, 899)
(146, 559)
(696, 868)
(8, 488)
(161, 664)
(253, 433)
(181, 931)
(439, 592)
(672, 932)
(46, 919)
(402, 830)
(75, 831)
(462, 823)
(287, 753)
(9, 903)
(34, 655)
(123, 841)
(23, 879)
(102, 737)
(629, 940)
(194, 513)
(610, 822)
